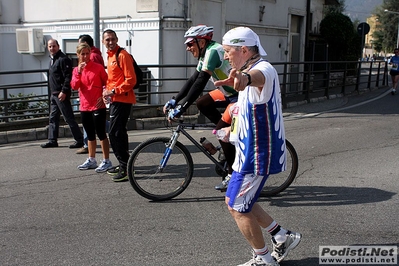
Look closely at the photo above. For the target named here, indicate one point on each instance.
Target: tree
(386, 33)
(344, 42)
(340, 8)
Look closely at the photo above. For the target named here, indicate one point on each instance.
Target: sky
(360, 9)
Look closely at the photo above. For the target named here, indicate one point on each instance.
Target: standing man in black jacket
(60, 74)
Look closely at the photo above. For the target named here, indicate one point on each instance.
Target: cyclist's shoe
(280, 250)
(104, 166)
(88, 164)
(113, 170)
(121, 176)
(225, 183)
(256, 261)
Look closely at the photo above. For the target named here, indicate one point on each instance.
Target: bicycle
(161, 168)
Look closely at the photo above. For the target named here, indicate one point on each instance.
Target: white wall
(9, 11)
(157, 30)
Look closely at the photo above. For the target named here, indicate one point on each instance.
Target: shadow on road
(328, 196)
(312, 196)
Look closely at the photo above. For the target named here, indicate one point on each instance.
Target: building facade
(152, 30)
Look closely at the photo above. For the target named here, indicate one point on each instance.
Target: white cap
(243, 36)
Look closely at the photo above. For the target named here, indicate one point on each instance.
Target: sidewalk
(295, 110)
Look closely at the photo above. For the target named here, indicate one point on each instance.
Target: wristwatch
(248, 77)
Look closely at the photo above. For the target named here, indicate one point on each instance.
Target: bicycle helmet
(199, 32)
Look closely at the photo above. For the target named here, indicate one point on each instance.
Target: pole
(96, 22)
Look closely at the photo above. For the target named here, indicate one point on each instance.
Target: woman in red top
(90, 78)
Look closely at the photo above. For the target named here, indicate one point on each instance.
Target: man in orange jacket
(119, 93)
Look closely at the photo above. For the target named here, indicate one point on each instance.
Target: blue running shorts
(244, 190)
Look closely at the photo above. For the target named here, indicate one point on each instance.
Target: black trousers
(65, 108)
(118, 116)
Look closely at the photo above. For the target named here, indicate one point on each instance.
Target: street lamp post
(393, 12)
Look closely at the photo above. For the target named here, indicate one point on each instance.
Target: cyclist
(211, 63)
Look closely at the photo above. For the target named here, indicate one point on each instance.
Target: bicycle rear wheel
(153, 182)
(277, 183)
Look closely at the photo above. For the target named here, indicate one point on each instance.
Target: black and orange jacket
(122, 78)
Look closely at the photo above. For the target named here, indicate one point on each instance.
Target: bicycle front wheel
(154, 182)
(277, 183)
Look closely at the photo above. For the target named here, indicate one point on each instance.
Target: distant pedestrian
(394, 72)
(60, 74)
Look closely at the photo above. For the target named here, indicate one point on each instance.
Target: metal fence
(299, 81)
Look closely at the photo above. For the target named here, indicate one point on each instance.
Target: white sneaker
(256, 261)
(104, 166)
(393, 91)
(88, 165)
(280, 250)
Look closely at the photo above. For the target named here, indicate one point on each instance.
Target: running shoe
(121, 176)
(280, 250)
(256, 261)
(225, 183)
(113, 170)
(104, 166)
(88, 164)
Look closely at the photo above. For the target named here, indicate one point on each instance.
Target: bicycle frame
(176, 133)
(157, 173)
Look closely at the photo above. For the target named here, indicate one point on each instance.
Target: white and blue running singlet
(260, 147)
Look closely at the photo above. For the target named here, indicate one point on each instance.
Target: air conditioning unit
(30, 41)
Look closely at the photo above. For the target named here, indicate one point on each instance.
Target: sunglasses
(190, 44)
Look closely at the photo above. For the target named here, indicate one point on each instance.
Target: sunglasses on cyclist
(190, 44)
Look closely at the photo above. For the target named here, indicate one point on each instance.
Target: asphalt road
(346, 193)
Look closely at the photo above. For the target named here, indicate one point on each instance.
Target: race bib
(234, 125)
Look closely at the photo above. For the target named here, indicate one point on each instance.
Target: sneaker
(76, 145)
(225, 183)
(83, 150)
(256, 261)
(280, 250)
(88, 165)
(393, 91)
(120, 177)
(104, 166)
(113, 170)
(49, 145)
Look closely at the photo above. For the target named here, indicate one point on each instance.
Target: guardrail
(300, 82)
